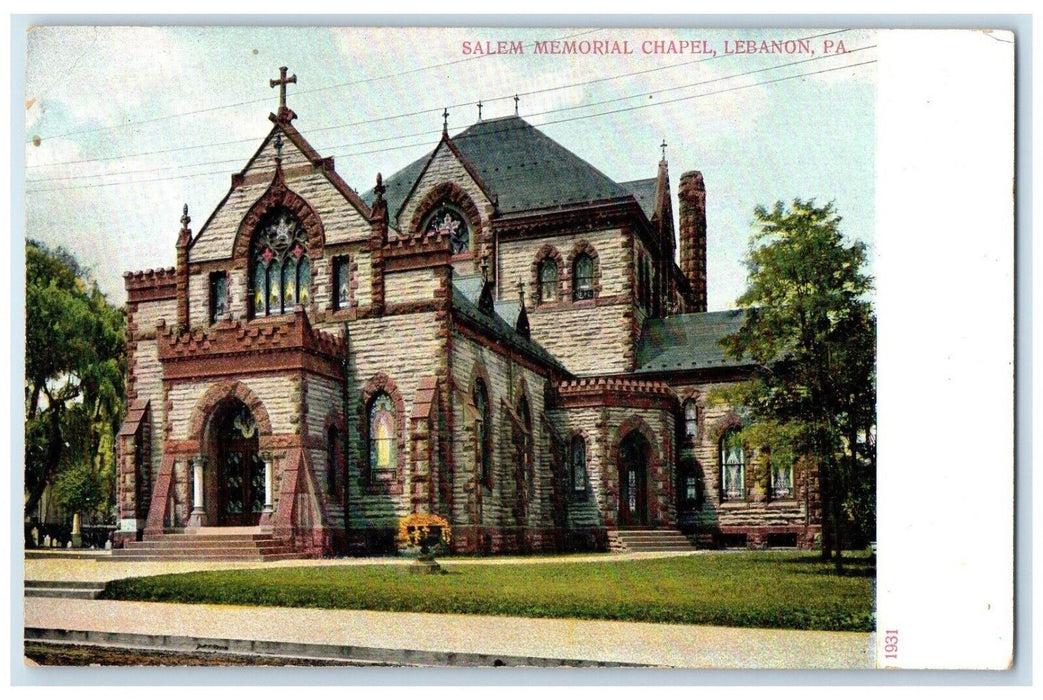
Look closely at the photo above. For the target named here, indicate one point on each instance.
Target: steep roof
(500, 329)
(687, 342)
(644, 192)
(521, 165)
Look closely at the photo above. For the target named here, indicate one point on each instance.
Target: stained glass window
(281, 270)
(733, 467)
(383, 452)
(484, 430)
(548, 281)
(691, 421)
(782, 480)
(341, 284)
(451, 222)
(578, 459)
(583, 277)
(218, 295)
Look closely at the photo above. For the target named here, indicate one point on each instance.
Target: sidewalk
(426, 639)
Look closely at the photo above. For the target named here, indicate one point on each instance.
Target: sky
(125, 125)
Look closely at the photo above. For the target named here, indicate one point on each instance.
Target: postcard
(558, 346)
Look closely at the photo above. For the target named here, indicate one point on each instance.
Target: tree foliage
(811, 332)
(75, 361)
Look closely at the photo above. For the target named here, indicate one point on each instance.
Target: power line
(399, 137)
(543, 124)
(388, 118)
(298, 92)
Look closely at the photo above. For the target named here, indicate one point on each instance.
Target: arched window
(281, 271)
(332, 461)
(484, 431)
(383, 440)
(781, 479)
(578, 464)
(691, 421)
(733, 467)
(548, 281)
(447, 220)
(583, 277)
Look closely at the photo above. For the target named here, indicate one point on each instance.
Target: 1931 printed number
(891, 644)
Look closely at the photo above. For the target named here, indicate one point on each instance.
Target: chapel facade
(498, 334)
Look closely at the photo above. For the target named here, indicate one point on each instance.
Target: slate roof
(687, 342)
(644, 193)
(500, 329)
(521, 165)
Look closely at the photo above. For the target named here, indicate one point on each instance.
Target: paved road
(594, 641)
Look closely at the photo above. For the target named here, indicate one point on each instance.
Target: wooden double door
(633, 481)
(241, 492)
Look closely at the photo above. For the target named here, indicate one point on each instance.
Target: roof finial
(479, 110)
(516, 104)
(282, 81)
(445, 120)
(663, 146)
(521, 291)
(485, 270)
(185, 218)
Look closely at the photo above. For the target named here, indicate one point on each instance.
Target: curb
(302, 651)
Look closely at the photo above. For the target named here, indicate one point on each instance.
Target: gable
(306, 173)
(443, 166)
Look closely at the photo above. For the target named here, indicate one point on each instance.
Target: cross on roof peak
(282, 81)
(663, 146)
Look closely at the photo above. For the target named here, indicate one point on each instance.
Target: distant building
(498, 334)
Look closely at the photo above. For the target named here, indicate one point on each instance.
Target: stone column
(269, 488)
(198, 517)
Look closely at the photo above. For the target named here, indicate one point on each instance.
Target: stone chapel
(499, 334)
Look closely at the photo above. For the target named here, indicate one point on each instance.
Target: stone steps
(212, 544)
(81, 590)
(648, 540)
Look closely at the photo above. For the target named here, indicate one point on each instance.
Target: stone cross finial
(282, 82)
(663, 146)
(185, 218)
(445, 120)
(516, 104)
(479, 110)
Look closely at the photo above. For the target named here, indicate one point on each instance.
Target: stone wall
(486, 516)
(401, 349)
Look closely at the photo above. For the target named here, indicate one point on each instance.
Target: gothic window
(691, 421)
(281, 275)
(341, 283)
(218, 296)
(548, 281)
(332, 460)
(733, 467)
(451, 222)
(484, 431)
(583, 277)
(641, 280)
(689, 484)
(383, 442)
(781, 481)
(578, 464)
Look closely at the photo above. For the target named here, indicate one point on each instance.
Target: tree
(75, 361)
(811, 332)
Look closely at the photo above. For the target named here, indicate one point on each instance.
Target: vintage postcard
(569, 346)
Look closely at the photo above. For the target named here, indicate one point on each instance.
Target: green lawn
(748, 589)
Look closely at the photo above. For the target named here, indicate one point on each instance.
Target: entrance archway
(633, 480)
(239, 466)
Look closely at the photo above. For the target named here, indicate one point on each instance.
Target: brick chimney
(691, 197)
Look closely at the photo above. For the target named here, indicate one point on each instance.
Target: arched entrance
(239, 467)
(633, 480)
